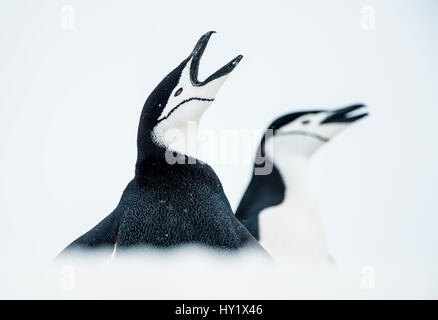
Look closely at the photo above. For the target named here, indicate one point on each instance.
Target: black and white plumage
(169, 204)
(279, 208)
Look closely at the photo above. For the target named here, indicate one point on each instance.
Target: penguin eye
(305, 122)
(178, 92)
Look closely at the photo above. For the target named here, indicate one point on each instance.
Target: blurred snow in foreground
(199, 274)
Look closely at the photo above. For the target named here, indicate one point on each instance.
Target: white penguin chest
(293, 231)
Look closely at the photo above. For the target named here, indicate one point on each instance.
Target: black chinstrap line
(304, 133)
(181, 103)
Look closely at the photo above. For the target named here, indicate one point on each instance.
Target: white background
(70, 101)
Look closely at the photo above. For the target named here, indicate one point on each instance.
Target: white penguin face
(190, 97)
(188, 101)
(307, 132)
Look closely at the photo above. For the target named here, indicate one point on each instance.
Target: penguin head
(301, 133)
(181, 97)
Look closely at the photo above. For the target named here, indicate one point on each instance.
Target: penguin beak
(347, 115)
(196, 58)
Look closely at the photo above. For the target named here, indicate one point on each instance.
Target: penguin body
(191, 209)
(174, 199)
(280, 208)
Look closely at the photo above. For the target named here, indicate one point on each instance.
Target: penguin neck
(295, 172)
(166, 145)
(180, 137)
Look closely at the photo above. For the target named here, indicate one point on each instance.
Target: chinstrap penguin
(279, 208)
(173, 199)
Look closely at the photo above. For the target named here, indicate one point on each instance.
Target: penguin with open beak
(278, 206)
(173, 199)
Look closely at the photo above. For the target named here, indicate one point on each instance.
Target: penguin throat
(181, 103)
(295, 173)
(181, 137)
(304, 133)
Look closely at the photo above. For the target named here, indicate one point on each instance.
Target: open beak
(196, 58)
(347, 114)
